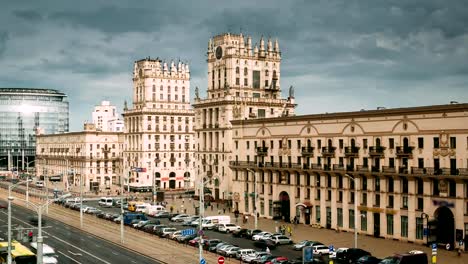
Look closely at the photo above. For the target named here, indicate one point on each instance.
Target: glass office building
(23, 111)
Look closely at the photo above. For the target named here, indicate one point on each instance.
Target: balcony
(375, 169)
(404, 152)
(388, 169)
(362, 168)
(315, 166)
(328, 151)
(262, 151)
(351, 151)
(327, 167)
(403, 170)
(307, 151)
(376, 151)
(338, 167)
(349, 168)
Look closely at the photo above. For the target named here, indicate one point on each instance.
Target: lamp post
(154, 191)
(426, 216)
(81, 199)
(255, 197)
(121, 210)
(355, 209)
(202, 207)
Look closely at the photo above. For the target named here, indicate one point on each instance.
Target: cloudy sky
(340, 55)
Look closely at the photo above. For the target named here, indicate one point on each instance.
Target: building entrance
(376, 224)
(172, 184)
(445, 229)
(285, 206)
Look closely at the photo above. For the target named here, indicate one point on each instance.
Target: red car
(278, 260)
(194, 242)
(3, 205)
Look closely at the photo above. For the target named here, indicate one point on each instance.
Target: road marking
(65, 255)
(115, 253)
(133, 261)
(94, 256)
(75, 254)
(97, 245)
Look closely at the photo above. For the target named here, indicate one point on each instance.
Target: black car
(207, 244)
(240, 233)
(368, 260)
(264, 243)
(351, 255)
(186, 239)
(33, 220)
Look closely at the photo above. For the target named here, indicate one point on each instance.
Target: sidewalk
(377, 246)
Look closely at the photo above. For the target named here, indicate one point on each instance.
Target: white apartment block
(406, 168)
(103, 115)
(158, 127)
(116, 125)
(243, 84)
(94, 156)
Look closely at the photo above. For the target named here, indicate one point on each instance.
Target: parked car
(419, 257)
(240, 233)
(351, 255)
(321, 250)
(210, 243)
(226, 228)
(371, 260)
(250, 258)
(263, 259)
(264, 243)
(215, 247)
(162, 214)
(278, 260)
(338, 251)
(231, 252)
(220, 250)
(281, 240)
(252, 232)
(305, 243)
(185, 239)
(242, 252)
(179, 218)
(165, 232)
(261, 235)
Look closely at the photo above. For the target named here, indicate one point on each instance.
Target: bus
(19, 253)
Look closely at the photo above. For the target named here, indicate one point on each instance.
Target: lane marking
(75, 254)
(71, 245)
(115, 253)
(65, 255)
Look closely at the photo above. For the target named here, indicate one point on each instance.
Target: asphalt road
(72, 245)
(282, 250)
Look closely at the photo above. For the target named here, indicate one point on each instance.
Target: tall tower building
(158, 127)
(243, 83)
(104, 116)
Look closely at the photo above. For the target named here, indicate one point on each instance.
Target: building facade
(243, 84)
(405, 168)
(106, 118)
(158, 127)
(23, 111)
(92, 155)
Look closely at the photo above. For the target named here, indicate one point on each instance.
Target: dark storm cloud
(360, 52)
(29, 15)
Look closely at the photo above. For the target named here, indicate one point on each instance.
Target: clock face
(219, 52)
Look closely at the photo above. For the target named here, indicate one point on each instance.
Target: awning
(304, 204)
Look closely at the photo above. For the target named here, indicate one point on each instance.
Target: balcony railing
(315, 166)
(388, 169)
(362, 168)
(338, 167)
(307, 151)
(404, 151)
(349, 168)
(376, 151)
(328, 151)
(403, 170)
(375, 169)
(351, 151)
(262, 151)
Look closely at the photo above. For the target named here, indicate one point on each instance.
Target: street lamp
(255, 197)
(355, 208)
(202, 205)
(153, 177)
(426, 216)
(40, 239)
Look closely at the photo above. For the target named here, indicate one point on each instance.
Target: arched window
(161, 88)
(377, 142)
(154, 88)
(353, 142)
(266, 72)
(237, 70)
(168, 89)
(176, 88)
(274, 73)
(246, 71)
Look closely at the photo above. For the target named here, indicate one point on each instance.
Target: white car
(261, 235)
(175, 235)
(333, 254)
(179, 218)
(229, 228)
(281, 240)
(231, 252)
(244, 252)
(251, 257)
(321, 250)
(168, 231)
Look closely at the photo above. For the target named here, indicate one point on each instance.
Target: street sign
(425, 232)
(434, 246)
(188, 232)
(200, 232)
(307, 254)
(221, 260)
(202, 261)
(331, 248)
(139, 169)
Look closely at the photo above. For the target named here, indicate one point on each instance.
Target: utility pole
(255, 197)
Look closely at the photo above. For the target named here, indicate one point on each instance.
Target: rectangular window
(365, 162)
(453, 142)
(364, 143)
(248, 144)
(298, 144)
(317, 214)
(420, 142)
(389, 224)
(419, 227)
(421, 163)
(391, 162)
(404, 226)
(364, 220)
(256, 79)
(390, 185)
(377, 200)
(339, 213)
(391, 143)
(340, 143)
(436, 142)
(319, 144)
(246, 82)
(405, 202)
(364, 199)
(237, 81)
(270, 207)
(390, 201)
(420, 203)
(351, 219)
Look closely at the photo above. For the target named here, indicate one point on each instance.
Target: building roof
(453, 107)
(30, 91)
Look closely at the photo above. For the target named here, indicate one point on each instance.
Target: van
(141, 208)
(48, 253)
(39, 184)
(109, 202)
(153, 209)
(102, 201)
(210, 221)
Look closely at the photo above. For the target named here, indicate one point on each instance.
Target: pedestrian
(267, 250)
(30, 235)
(172, 209)
(224, 210)
(211, 207)
(289, 231)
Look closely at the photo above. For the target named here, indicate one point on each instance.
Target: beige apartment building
(405, 168)
(91, 155)
(243, 83)
(158, 127)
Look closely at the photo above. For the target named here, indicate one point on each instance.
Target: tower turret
(249, 45)
(269, 47)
